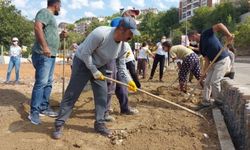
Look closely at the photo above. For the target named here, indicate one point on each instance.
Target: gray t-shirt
(50, 31)
(99, 48)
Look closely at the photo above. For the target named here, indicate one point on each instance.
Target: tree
(176, 39)
(13, 24)
(242, 33)
(70, 27)
(224, 13)
(200, 20)
(169, 20)
(94, 24)
(148, 26)
(243, 7)
(74, 37)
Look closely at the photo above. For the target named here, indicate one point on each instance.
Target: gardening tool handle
(215, 58)
(160, 98)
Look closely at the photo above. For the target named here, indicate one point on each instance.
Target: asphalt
(242, 71)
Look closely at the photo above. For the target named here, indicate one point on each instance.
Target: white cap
(136, 11)
(14, 39)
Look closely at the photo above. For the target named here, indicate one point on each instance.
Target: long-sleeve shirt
(180, 52)
(99, 48)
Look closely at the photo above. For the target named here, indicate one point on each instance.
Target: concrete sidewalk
(242, 72)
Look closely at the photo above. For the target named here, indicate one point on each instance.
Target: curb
(223, 134)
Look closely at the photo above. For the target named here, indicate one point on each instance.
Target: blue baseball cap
(115, 22)
(129, 23)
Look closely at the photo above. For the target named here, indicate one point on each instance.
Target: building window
(197, 4)
(184, 16)
(184, 9)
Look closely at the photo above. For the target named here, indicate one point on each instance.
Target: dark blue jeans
(44, 67)
(121, 91)
(14, 62)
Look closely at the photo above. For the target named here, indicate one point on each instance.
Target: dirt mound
(158, 125)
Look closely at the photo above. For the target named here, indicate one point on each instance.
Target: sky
(73, 10)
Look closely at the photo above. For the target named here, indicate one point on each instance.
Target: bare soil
(158, 126)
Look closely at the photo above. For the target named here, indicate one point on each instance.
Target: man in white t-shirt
(15, 60)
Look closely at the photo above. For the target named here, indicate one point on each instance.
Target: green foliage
(242, 33)
(244, 7)
(94, 24)
(186, 25)
(200, 20)
(169, 20)
(154, 26)
(222, 14)
(13, 24)
(148, 26)
(176, 39)
(113, 16)
(70, 27)
(73, 37)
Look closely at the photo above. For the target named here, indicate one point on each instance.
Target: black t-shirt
(210, 45)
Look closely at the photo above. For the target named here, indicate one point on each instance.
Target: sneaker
(7, 82)
(109, 118)
(49, 112)
(57, 134)
(34, 118)
(130, 111)
(102, 129)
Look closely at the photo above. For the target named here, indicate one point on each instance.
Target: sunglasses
(14, 41)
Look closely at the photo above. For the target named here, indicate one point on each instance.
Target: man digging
(101, 46)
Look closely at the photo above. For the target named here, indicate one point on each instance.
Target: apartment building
(187, 7)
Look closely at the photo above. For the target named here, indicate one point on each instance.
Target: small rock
(77, 146)
(205, 135)
(117, 142)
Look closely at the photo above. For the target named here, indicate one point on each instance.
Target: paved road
(242, 75)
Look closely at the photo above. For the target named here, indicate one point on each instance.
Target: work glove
(98, 75)
(132, 86)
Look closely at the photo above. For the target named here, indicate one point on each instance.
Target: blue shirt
(210, 45)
